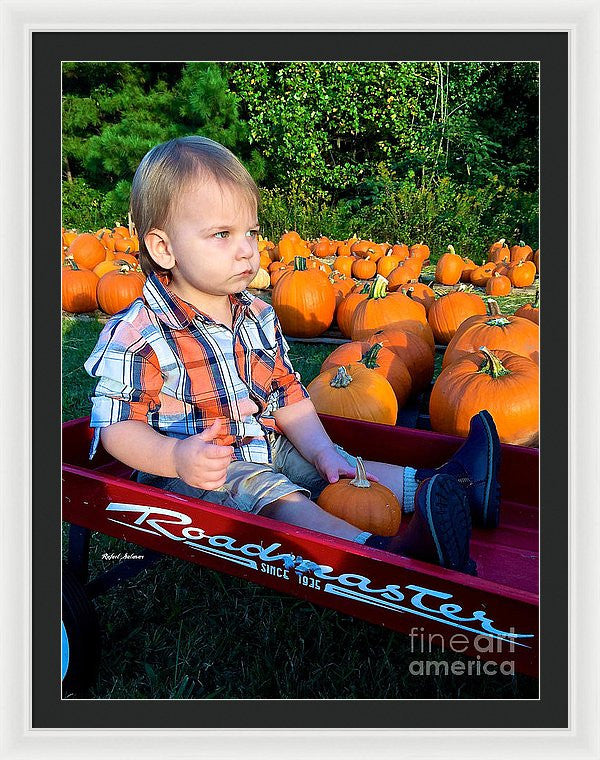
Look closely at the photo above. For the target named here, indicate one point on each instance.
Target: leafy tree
(129, 108)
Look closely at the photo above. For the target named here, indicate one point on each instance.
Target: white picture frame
(582, 22)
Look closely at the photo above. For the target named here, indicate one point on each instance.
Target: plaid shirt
(166, 363)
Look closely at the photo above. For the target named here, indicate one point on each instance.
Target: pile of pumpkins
(100, 270)
(504, 269)
(490, 360)
(308, 292)
(304, 275)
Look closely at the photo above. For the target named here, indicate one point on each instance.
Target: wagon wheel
(81, 637)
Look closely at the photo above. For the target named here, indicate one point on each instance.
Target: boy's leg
(298, 509)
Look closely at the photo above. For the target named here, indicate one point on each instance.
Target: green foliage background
(435, 151)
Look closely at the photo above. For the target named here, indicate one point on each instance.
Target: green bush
(397, 210)
(86, 209)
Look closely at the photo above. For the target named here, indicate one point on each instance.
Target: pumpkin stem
(299, 263)
(342, 378)
(522, 243)
(492, 365)
(451, 249)
(379, 287)
(492, 308)
(360, 481)
(502, 241)
(370, 358)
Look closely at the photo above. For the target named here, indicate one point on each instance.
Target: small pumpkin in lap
(370, 506)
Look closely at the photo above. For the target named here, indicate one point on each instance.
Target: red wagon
(495, 614)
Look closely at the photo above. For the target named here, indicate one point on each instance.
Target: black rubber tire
(83, 632)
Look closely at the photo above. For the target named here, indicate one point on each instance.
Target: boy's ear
(159, 247)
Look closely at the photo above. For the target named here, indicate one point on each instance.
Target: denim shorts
(249, 487)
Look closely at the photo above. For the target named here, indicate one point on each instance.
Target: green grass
(178, 631)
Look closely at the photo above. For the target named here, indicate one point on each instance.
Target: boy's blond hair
(166, 170)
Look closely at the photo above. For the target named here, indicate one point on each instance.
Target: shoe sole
(492, 476)
(451, 530)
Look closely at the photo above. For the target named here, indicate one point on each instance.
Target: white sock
(409, 489)
(362, 537)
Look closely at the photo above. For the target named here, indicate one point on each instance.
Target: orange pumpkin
(344, 264)
(68, 237)
(401, 250)
(387, 263)
(450, 311)
(499, 252)
(364, 269)
(530, 310)
(417, 354)
(362, 248)
(87, 251)
(521, 252)
(504, 383)
(449, 268)
(106, 237)
(276, 274)
(108, 265)
(421, 293)
(498, 285)
(368, 505)
(322, 248)
(304, 301)
(78, 289)
(291, 246)
(343, 249)
(341, 288)
(419, 251)
(496, 331)
(345, 310)
(117, 290)
(276, 265)
(406, 271)
(499, 245)
(522, 274)
(381, 309)
(468, 267)
(480, 275)
(128, 258)
(354, 392)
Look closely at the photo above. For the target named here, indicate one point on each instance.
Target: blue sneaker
(475, 465)
(440, 529)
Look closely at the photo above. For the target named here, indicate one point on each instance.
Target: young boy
(196, 391)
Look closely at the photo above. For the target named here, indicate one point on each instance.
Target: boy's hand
(332, 466)
(201, 462)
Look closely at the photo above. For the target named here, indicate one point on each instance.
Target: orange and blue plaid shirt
(164, 362)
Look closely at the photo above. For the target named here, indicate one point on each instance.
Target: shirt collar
(173, 310)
